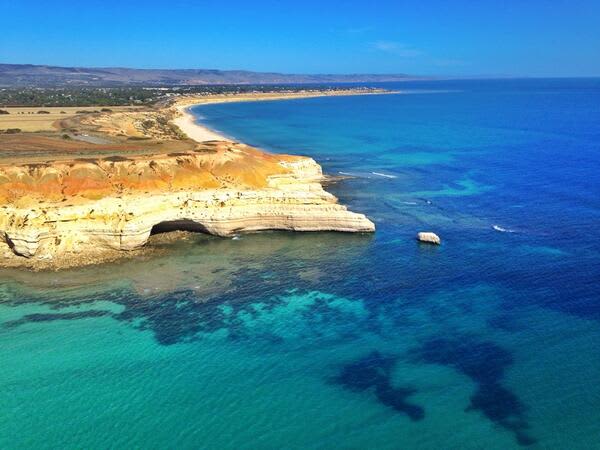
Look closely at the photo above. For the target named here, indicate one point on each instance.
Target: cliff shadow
(178, 225)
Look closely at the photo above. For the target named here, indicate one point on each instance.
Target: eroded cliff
(68, 209)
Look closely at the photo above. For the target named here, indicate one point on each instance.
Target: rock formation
(83, 206)
(428, 237)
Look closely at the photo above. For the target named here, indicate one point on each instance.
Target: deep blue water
(324, 340)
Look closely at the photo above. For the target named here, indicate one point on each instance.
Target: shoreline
(59, 219)
(186, 120)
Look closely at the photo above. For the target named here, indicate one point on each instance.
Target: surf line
(384, 175)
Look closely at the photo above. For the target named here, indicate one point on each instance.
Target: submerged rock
(429, 237)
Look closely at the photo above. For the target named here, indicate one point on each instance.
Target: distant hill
(21, 75)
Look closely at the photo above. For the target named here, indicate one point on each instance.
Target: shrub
(177, 131)
(43, 112)
(138, 138)
(12, 131)
(116, 158)
(3, 111)
(148, 123)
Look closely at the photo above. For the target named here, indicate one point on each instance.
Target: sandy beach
(186, 121)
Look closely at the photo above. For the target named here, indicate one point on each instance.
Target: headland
(99, 186)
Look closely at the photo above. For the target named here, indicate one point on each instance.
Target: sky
(453, 38)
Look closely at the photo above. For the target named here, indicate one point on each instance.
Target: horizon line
(397, 74)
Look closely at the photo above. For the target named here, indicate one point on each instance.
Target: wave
(502, 230)
(350, 174)
(384, 175)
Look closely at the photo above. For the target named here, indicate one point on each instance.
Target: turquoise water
(324, 340)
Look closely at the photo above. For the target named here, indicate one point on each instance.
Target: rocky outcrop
(429, 238)
(76, 207)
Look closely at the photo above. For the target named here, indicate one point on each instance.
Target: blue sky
(528, 37)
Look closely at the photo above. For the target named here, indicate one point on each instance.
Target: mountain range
(28, 75)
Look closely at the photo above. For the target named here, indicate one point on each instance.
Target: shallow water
(280, 340)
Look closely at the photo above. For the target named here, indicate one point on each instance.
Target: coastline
(186, 120)
(81, 211)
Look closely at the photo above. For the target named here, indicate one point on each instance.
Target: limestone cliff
(61, 208)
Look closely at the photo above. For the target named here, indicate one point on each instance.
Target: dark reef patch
(374, 371)
(175, 318)
(48, 317)
(485, 363)
(504, 322)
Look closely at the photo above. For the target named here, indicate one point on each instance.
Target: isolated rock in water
(429, 237)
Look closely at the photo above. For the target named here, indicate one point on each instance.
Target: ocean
(327, 340)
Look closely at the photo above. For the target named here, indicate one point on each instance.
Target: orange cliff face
(79, 209)
(211, 166)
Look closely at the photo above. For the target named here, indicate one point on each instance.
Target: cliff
(80, 208)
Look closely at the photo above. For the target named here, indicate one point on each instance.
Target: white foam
(357, 175)
(501, 229)
(384, 175)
